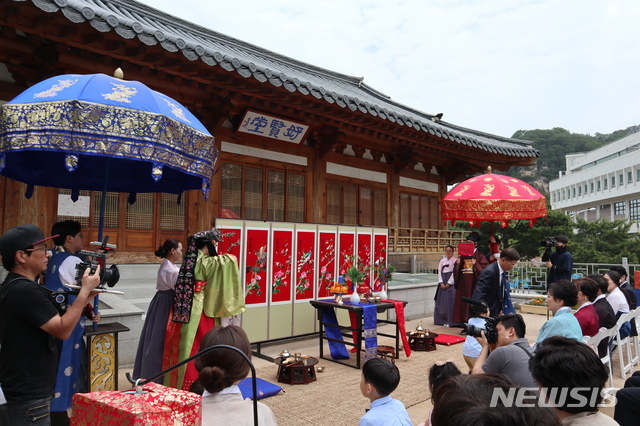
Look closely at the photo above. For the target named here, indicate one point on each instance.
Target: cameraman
(30, 324)
(560, 262)
(61, 272)
(511, 353)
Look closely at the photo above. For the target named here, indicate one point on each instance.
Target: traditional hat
(474, 236)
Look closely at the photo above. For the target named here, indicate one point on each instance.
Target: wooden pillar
(394, 200)
(318, 189)
(40, 209)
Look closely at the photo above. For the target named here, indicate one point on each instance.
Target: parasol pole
(103, 208)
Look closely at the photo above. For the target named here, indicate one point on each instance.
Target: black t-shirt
(28, 355)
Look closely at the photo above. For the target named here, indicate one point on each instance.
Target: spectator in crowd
(625, 286)
(606, 316)
(511, 354)
(470, 400)
(438, 373)
(445, 293)
(561, 297)
(630, 295)
(471, 348)
(617, 298)
(586, 314)
(220, 372)
(380, 377)
(627, 411)
(571, 378)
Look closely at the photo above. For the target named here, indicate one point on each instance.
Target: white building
(601, 184)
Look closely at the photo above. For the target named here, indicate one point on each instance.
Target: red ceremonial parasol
(493, 197)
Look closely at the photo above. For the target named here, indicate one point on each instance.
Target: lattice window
(334, 202)
(140, 213)
(295, 199)
(366, 211)
(350, 204)
(275, 195)
(379, 207)
(171, 213)
(231, 190)
(112, 210)
(253, 192)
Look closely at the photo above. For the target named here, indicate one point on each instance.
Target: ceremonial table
(356, 330)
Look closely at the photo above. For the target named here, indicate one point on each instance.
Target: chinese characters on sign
(259, 124)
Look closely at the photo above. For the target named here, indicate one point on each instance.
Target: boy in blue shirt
(380, 377)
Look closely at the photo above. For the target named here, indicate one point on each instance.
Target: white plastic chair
(605, 334)
(635, 340)
(623, 346)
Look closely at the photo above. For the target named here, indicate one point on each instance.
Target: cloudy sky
(493, 65)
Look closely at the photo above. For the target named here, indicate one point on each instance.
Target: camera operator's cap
(21, 237)
(474, 236)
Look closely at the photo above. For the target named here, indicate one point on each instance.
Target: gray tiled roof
(131, 19)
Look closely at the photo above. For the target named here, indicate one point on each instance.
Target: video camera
(548, 243)
(108, 276)
(490, 331)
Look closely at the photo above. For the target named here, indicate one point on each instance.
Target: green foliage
(553, 145)
(604, 242)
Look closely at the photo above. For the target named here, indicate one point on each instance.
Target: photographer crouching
(505, 350)
(31, 321)
(560, 262)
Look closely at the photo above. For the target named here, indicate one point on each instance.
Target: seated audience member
(380, 377)
(619, 300)
(616, 297)
(625, 286)
(469, 400)
(439, 372)
(471, 348)
(586, 314)
(629, 293)
(220, 372)
(606, 316)
(627, 411)
(571, 377)
(512, 353)
(561, 297)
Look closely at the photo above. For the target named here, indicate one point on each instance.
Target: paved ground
(335, 399)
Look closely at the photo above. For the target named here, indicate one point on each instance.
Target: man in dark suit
(606, 316)
(493, 283)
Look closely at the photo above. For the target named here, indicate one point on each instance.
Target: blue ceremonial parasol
(71, 131)
(100, 133)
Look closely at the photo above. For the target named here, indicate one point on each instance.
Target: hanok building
(356, 156)
(345, 167)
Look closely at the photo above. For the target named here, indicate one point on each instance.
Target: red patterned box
(160, 406)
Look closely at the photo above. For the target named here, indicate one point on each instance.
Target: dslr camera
(490, 330)
(108, 276)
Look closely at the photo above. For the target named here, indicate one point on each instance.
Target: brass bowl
(320, 369)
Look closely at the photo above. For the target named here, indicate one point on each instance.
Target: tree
(604, 242)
